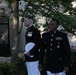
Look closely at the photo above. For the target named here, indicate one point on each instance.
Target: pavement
(5, 59)
(8, 59)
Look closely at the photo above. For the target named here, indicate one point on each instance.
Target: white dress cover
(29, 46)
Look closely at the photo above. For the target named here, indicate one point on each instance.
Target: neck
(53, 30)
(30, 26)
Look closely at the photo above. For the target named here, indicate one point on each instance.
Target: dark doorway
(4, 36)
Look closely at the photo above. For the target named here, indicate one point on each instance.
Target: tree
(50, 8)
(13, 5)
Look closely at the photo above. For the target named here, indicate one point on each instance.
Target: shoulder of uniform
(35, 28)
(63, 33)
(44, 33)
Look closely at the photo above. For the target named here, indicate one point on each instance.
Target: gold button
(58, 46)
(60, 58)
(52, 35)
(51, 39)
(51, 49)
(58, 42)
(45, 42)
(51, 44)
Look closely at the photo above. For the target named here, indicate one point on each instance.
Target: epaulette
(63, 32)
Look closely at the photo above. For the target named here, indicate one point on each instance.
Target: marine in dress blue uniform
(32, 35)
(57, 49)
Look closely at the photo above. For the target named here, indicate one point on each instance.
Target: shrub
(8, 69)
(13, 68)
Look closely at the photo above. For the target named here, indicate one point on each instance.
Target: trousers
(32, 68)
(60, 73)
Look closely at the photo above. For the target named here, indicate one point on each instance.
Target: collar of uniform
(30, 27)
(53, 32)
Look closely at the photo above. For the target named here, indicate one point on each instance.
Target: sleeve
(37, 41)
(67, 52)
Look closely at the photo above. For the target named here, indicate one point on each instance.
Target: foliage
(52, 8)
(73, 63)
(9, 69)
(20, 69)
(13, 68)
(68, 22)
(21, 66)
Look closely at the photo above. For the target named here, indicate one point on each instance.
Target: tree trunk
(14, 57)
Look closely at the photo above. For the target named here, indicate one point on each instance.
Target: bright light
(41, 28)
(3, 4)
(74, 4)
(73, 39)
(20, 17)
(42, 20)
(14, 22)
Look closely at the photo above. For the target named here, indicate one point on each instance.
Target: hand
(40, 67)
(28, 53)
(66, 69)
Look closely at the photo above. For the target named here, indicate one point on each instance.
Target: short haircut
(30, 17)
(54, 19)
